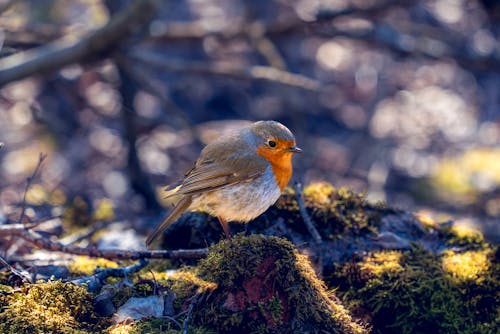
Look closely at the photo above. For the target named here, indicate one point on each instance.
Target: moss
(466, 266)
(142, 288)
(461, 235)
(154, 326)
(265, 286)
(417, 291)
(52, 307)
(84, 265)
(336, 212)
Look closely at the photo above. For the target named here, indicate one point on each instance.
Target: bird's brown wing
(236, 162)
(212, 176)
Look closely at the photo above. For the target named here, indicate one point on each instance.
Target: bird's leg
(225, 227)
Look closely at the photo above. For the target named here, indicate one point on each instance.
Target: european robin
(237, 176)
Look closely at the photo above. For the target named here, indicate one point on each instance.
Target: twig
(305, 216)
(265, 73)
(95, 282)
(63, 52)
(16, 272)
(30, 179)
(188, 315)
(38, 240)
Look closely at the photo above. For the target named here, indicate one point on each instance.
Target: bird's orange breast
(281, 162)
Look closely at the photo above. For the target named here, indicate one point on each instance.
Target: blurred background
(398, 99)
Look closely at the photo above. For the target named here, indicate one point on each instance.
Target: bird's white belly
(240, 202)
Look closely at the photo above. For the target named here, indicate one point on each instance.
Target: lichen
(51, 307)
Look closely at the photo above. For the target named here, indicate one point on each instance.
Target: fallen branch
(63, 52)
(23, 275)
(96, 281)
(38, 240)
(265, 73)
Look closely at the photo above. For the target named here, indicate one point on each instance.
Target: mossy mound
(52, 307)
(420, 292)
(337, 213)
(265, 286)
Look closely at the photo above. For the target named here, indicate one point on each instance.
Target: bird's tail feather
(179, 208)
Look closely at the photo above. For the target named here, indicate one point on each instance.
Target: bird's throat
(281, 163)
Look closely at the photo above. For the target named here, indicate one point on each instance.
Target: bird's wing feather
(179, 208)
(212, 176)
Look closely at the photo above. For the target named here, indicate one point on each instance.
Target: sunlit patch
(115, 184)
(466, 175)
(57, 197)
(426, 220)
(466, 266)
(104, 210)
(84, 265)
(464, 233)
(36, 195)
(382, 263)
(335, 55)
(449, 11)
(319, 193)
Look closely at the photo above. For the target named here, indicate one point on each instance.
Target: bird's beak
(294, 149)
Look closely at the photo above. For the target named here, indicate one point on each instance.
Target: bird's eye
(271, 143)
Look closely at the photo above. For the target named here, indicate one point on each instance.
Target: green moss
(139, 289)
(417, 291)
(335, 212)
(52, 307)
(264, 285)
(154, 326)
(462, 236)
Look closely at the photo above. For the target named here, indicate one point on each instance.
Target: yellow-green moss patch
(52, 307)
(84, 265)
(418, 291)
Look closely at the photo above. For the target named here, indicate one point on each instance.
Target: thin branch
(188, 315)
(30, 179)
(16, 272)
(265, 73)
(66, 51)
(38, 240)
(96, 281)
(305, 216)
